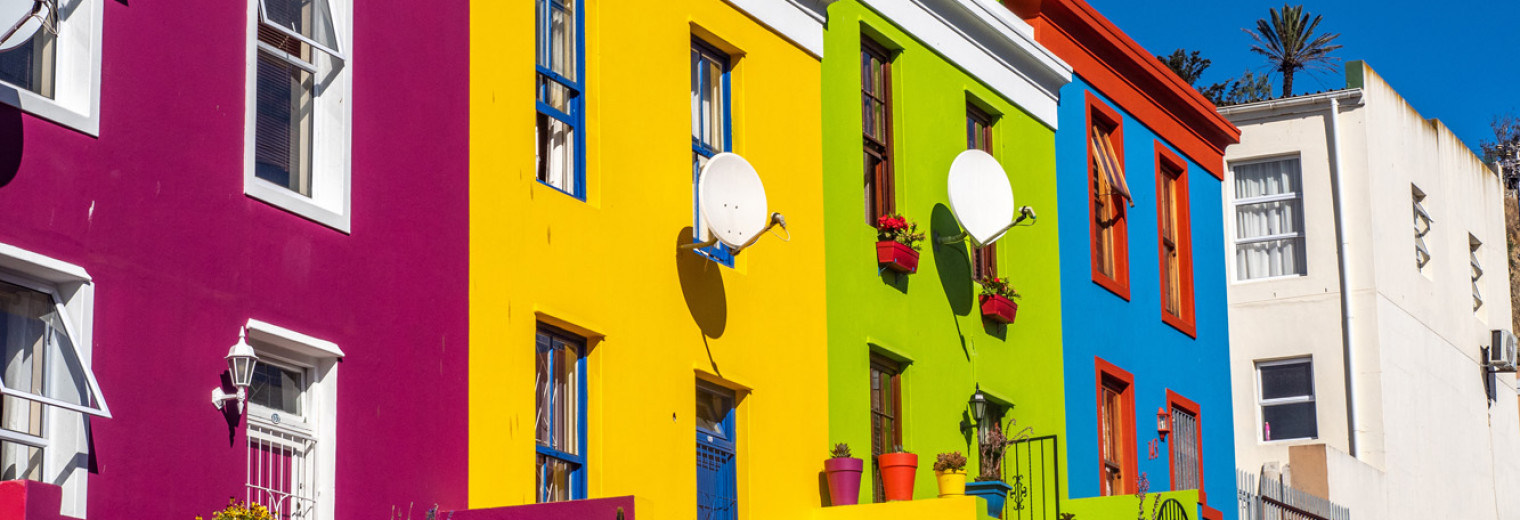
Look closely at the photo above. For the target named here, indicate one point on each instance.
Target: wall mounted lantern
(240, 362)
(979, 408)
(1163, 423)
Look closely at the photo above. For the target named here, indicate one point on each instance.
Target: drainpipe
(1347, 317)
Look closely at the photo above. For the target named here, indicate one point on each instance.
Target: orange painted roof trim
(1132, 77)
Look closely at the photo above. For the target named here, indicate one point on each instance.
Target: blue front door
(717, 485)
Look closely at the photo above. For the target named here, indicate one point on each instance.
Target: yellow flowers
(239, 510)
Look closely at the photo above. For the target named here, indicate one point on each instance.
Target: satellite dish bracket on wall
(1025, 213)
(732, 204)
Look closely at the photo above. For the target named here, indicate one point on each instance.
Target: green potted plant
(239, 510)
(843, 472)
(997, 300)
(897, 241)
(898, 469)
(950, 471)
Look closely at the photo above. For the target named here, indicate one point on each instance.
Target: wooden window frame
(1100, 115)
(886, 365)
(1171, 167)
(1174, 402)
(1106, 374)
(882, 184)
(983, 259)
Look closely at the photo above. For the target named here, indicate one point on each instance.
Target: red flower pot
(897, 256)
(998, 308)
(844, 480)
(897, 474)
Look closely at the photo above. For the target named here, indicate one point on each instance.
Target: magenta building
(175, 173)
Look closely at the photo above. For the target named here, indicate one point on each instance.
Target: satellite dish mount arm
(1025, 213)
(36, 11)
(777, 219)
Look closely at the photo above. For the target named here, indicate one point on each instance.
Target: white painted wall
(1428, 439)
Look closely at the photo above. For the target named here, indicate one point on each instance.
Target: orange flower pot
(897, 474)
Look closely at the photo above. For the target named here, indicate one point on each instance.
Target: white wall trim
(991, 44)
(800, 21)
(76, 91)
(332, 135)
(291, 340)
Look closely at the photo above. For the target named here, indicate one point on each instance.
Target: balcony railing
(1268, 498)
(1033, 468)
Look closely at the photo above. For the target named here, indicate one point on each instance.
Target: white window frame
(76, 71)
(63, 429)
(1261, 404)
(1236, 203)
(332, 127)
(318, 359)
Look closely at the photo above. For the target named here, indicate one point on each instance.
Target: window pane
(19, 461)
(276, 388)
(1294, 380)
(1267, 218)
(282, 138)
(555, 153)
(30, 65)
(39, 356)
(562, 39)
(554, 479)
(309, 18)
(1267, 178)
(1271, 258)
(1289, 421)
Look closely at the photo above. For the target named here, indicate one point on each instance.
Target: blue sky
(1454, 60)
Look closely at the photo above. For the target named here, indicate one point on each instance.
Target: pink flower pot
(844, 480)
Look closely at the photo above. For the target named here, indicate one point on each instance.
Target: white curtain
(1281, 214)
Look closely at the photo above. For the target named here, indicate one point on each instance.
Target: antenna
(982, 199)
(732, 203)
(20, 19)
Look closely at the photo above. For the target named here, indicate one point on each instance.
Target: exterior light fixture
(1163, 422)
(240, 362)
(978, 405)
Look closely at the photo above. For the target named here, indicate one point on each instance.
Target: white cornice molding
(800, 21)
(989, 42)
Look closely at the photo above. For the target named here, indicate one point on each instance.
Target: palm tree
(1290, 45)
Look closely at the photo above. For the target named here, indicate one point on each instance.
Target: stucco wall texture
(154, 209)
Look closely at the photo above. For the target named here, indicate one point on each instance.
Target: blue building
(1139, 158)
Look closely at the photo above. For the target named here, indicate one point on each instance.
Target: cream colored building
(1357, 355)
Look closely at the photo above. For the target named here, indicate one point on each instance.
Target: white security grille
(282, 471)
(1185, 452)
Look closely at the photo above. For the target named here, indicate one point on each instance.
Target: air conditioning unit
(1501, 353)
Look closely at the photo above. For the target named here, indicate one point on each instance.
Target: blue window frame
(560, 153)
(711, 129)
(717, 480)
(560, 422)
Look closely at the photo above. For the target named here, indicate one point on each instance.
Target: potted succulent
(989, 483)
(897, 243)
(997, 300)
(898, 469)
(950, 470)
(844, 476)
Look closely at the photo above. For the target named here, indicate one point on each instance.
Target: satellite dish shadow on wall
(702, 287)
(951, 261)
(11, 143)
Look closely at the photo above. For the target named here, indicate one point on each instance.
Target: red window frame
(1104, 117)
(1108, 376)
(979, 128)
(1175, 401)
(1171, 172)
(881, 181)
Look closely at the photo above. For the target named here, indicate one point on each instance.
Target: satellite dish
(732, 200)
(980, 196)
(19, 20)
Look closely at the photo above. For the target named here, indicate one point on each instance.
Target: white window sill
(293, 202)
(49, 109)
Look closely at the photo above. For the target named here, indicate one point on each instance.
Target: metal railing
(1268, 498)
(1033, 469)
(282, 472)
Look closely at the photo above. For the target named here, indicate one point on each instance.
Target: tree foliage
(1189, 66)
(1290, 44)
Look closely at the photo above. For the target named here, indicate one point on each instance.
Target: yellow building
(593, 333)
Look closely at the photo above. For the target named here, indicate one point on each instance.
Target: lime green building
(908, 86)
